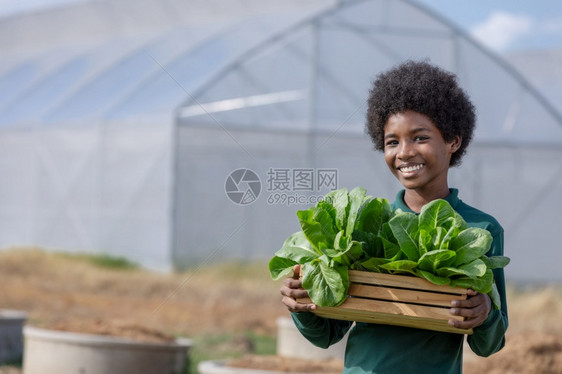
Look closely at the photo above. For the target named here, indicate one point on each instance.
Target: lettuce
(325, 247)
(350, 230)
(445, 250)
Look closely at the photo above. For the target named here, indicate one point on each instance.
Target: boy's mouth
(410, 168)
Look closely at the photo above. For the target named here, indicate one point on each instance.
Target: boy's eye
(421, 138)
(391, 143)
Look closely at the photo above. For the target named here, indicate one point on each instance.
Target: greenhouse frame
(196, 138)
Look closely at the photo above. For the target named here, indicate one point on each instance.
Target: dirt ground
(76, 294)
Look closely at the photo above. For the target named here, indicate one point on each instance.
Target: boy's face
(416, 152)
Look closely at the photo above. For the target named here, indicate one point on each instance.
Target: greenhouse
(196, 138)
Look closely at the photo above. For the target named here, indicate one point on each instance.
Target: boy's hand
(292, 290)
(475, 309)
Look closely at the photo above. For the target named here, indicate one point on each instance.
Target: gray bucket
(11, 338)
(56, 352)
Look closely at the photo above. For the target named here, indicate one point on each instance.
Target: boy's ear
(455, 144)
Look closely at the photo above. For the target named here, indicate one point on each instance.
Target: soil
(71, 293)
(524, 353)
(287, 365)
(113, 328)
(68, 293)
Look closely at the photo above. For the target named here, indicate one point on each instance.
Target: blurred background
(179, 135)
(120, 122)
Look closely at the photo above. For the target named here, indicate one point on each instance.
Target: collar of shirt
(452, 198)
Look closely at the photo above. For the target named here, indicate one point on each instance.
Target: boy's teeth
(412, 168)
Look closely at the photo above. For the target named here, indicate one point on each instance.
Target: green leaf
(437, 236)
(435, 279)
(460, 222)
(353, 254)
(454, 226)
(331, 253)
(450, 272)
(298, 248)
(341, 242)
(340, 202)
(317, 225)
(474, 269)
(326, 285)
(400, 266)
(371, 243)
(482, 284)
(280, 267)
(391, 250)
(374, 264)
(497, 262)
(329, 208)
(404, 227)
(425, 242)
(433, 260)
(373, 215)
(470, 244)
(389, 242)
(435, 214)
(350, 251)
(357, 198)
(495, 296)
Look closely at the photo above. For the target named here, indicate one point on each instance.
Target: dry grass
(535, 309)
(534, 337)
(75, 293)
(66, 292)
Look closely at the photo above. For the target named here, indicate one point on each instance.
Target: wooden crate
(397, 300)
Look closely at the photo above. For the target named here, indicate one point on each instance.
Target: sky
(502, 25)
(506, 25)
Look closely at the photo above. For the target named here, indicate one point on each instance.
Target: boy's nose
(405, 151)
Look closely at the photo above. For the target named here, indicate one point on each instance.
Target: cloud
(501, 29)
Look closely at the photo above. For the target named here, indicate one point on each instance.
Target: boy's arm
(489, 337)
(321, 332)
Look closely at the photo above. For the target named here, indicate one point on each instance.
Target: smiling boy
(423, 122)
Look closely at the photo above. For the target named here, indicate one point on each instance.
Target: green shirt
(374, 348)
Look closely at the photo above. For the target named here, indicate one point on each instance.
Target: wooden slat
(398, 308)
(359, 310)
(390, 307)
(402, 295)
(402, 281)
(396, 300)
(391, 319)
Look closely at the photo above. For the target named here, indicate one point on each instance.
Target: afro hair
(426, 89)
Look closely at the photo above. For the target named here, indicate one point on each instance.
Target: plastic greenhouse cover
(182, 77)
(346, 57)
(33, 102)
(19, 72)
(53, 82)
(100, 93)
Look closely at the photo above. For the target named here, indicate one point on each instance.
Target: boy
(423, 122)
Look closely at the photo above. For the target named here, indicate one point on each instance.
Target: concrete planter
(55, 352)
(290, 343)
(11, 337)
(219, 367)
